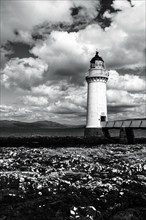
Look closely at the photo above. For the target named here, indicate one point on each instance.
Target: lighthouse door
(103, 118)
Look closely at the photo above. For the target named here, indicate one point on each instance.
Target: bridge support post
(106, 132)
(126, 136)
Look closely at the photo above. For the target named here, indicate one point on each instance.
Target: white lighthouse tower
(96, 100)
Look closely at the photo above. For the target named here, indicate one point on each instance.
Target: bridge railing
(135, 123)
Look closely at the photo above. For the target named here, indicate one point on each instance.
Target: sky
(46, 48)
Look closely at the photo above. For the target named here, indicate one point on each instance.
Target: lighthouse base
(96, 132)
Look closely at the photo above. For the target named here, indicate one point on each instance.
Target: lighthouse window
(103, 118)
(92, 65)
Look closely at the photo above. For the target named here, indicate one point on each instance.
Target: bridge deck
(135, 124)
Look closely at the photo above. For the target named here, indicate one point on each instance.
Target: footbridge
(129, 123)
(126, 128)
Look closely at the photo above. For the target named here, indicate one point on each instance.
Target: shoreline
(56, 141)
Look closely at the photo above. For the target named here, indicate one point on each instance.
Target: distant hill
(29, 125)
(38, 128)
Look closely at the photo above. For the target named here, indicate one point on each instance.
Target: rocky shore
(105, 182)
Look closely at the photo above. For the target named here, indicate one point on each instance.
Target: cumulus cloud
(66, 57)
(70, 100)
(127, 82)
(23, 73)
(70, 12)
(63, 98)
(120, 98)
(26, 113)
(89, 6)
(14, 112)
(120, 46)
(126, 93)
(68, 54)
(66, 103)
(35, 101)
(17, 15)
(4, 56)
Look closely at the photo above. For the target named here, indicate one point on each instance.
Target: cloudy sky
(46, 46)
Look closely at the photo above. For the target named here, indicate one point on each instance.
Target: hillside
(29, 125)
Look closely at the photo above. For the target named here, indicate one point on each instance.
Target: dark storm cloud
(75, 11)
(66, 112)
(37, 36)
(75, 74)
(79, 22)
(112, 109)
(80, 19)
(105, 5)
(20, 50)
(67, 54)
(102, 6)
(141, 71)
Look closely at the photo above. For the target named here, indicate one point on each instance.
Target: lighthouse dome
(96, 58)
(97, 62)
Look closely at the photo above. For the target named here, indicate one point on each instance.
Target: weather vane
(97, 51)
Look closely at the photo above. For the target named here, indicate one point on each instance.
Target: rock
(73, 176)
(141, 177)
(130, 214)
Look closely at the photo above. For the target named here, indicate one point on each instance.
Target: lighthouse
(96, 78)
